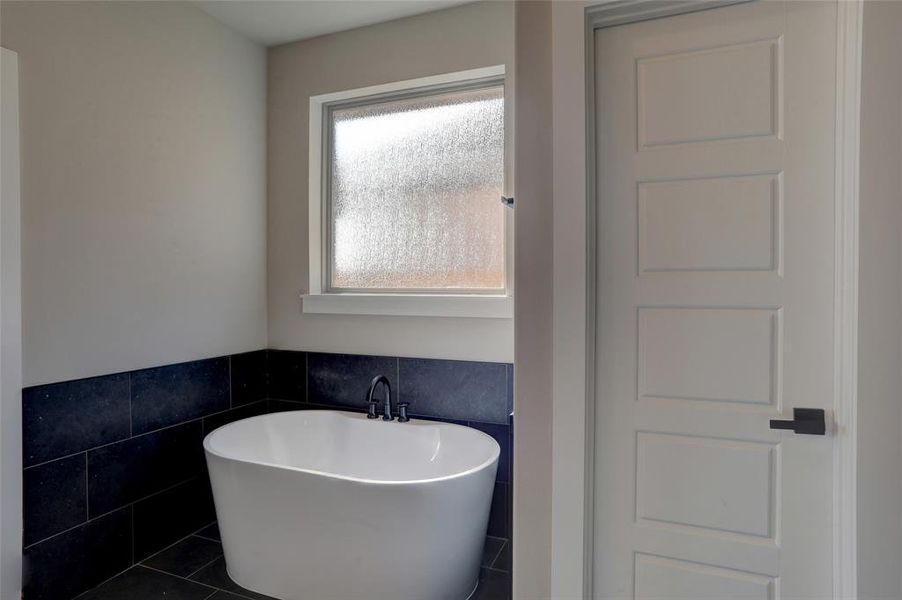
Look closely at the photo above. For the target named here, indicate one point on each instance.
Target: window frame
(321, 298)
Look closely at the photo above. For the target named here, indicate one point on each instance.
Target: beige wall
(533, 310)
(880, 307)
(470, 36)
(143, 149)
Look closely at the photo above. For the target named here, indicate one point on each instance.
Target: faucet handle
(371, 411)
(402, 412)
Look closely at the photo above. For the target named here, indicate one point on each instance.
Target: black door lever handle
(809, 421)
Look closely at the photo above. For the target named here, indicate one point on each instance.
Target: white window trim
(316, 300)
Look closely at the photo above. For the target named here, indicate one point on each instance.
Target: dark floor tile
(171, 515)
(287, 371)
(54, 497)
(344, 379)
(503, 561)
(76, 560)
(186, 556)
(501, 433)
(221, 595)
(236, 414)
(475, 391)
(248, 375)
(121, 473)
(498, 517)
(65, 418)
(491, 549)
(211, 532)
(216, 575)
(139, 583)
(176, 393)
(493, 585)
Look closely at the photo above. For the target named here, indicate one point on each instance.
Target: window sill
(410, 305)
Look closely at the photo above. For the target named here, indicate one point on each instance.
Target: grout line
(213, 593)
(496, 570)
(165, 489)
(204, 527)
(203, 537)
(131, 437)
(109, 512)
(495, 557)
(307, 377)
(131, 428)
(498, 556)
(94, 587)
(73, 454)
(70, 455)
(242, 594)
(87, 494)
(175, 543)
(131, 416)
(204, 566)
(82, 524)
(215, 589)
(132, 516)
(231, 385)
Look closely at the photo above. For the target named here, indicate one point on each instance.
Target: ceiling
(272, 22)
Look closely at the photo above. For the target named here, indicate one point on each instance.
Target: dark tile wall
(114, 467)
(174, 394)
(70, 417)
(449, 390)
(477, 394)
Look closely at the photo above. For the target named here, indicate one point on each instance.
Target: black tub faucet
(386, 410)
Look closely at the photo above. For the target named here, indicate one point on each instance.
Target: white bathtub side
(348, 445)
(296, 535)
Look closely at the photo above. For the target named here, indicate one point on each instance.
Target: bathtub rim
(495, 455)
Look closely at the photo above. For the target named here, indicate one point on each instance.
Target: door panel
(689, 481)
(658, 577)
(690, 353)
(715, 303)
(734, 222)
(719, 93)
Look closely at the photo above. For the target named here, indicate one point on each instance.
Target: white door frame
(573, 28)
(10, 334)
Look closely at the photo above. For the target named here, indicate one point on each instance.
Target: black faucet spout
(386, 404)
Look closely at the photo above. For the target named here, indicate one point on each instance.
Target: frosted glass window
(414, 193)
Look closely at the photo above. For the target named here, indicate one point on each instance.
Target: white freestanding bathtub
(317, 505)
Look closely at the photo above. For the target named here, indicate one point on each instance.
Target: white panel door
(715, 160)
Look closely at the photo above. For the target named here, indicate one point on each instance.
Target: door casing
(11, 336)
(574, 463)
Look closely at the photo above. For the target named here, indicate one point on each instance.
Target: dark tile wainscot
(114, 467)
